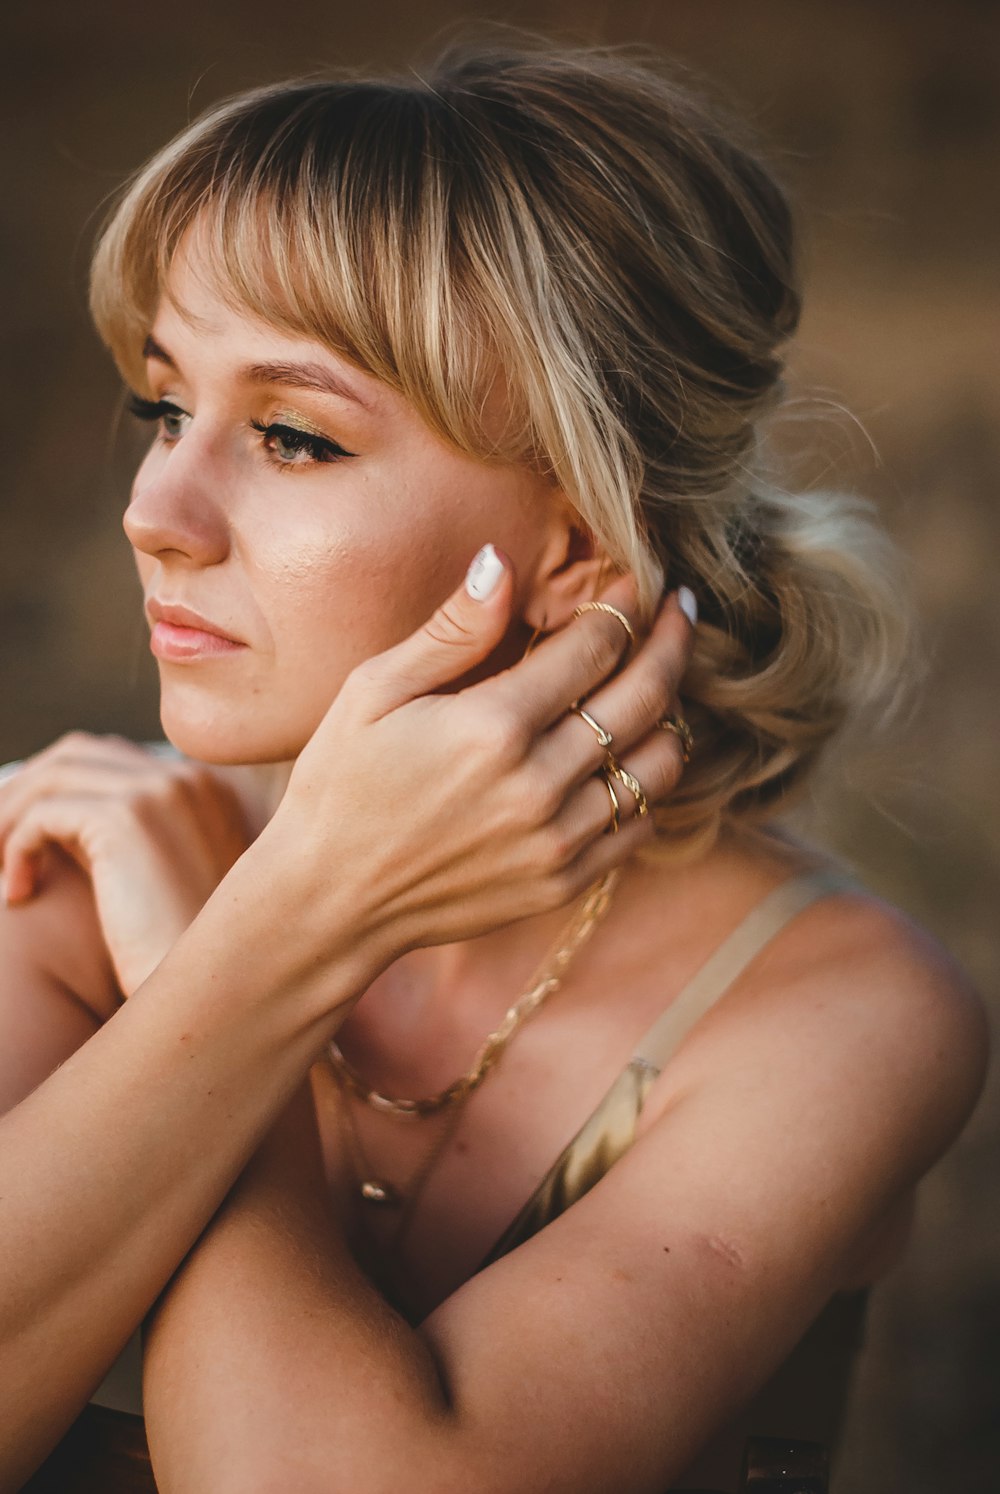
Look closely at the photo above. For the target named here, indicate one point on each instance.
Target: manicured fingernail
(687, 604)
(483, 575)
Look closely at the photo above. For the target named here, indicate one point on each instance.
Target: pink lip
(179, 633)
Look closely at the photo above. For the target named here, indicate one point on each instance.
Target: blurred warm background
(885, 118)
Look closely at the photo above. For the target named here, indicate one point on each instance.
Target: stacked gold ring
(616, 809)
(681, 731)
(612, 768)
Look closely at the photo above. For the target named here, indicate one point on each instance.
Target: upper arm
(605, 1351)
(57, 984)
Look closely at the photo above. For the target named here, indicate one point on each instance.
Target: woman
(528, 310)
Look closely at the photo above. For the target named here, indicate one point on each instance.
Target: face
(303, 511)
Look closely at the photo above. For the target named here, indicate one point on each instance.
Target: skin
(843, 1063)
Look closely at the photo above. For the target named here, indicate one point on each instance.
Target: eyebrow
(310, 376)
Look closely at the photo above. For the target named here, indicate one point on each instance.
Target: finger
(76, 763)
(656, 766)
(55, 822)
(92, 777)
(598, 857)
(17, 878)
(85, 746)
(464, 630)
(568, 664)
(627, 707)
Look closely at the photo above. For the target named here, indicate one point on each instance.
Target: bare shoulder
(58, 934)
(897, 988)
(856, 1000)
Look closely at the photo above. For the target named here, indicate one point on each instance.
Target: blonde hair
(587, 225)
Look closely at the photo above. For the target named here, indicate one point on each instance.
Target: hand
(155, 837)
(422, 818)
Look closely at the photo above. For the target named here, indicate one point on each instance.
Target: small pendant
(376, 1191)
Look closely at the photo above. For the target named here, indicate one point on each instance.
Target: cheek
(367, 583)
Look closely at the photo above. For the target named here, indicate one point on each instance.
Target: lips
(180, 633)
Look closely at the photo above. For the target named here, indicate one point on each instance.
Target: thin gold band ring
(604, 737)
(616, 809)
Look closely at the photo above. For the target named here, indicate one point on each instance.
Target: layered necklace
(379, 1192)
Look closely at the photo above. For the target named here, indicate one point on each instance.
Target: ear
(571, 569)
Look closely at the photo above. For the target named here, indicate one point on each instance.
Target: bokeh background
(885, 119)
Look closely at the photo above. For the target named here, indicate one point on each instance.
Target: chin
(230, 738)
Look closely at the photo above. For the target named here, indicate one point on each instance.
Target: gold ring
(614, 611)
(682, 731)
(604, 738)
(631, 783)
(616, 815)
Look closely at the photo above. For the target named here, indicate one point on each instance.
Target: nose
(173, 509)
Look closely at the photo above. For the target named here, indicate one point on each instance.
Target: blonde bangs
(302, 229)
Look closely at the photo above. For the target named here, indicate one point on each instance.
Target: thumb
(462, 632)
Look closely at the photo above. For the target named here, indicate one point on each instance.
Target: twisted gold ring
(631, 783)
(681, 731)
(614, 611)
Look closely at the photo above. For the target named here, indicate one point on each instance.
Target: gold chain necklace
(546, 979)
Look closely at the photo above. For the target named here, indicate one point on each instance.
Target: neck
(259, 786)
(493, 969)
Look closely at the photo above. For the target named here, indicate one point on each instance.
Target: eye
(170, 415)
(291, 447)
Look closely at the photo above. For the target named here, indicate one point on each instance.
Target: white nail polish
(687, 604)
(483, 575)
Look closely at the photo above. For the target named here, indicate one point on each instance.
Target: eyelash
(319, 448)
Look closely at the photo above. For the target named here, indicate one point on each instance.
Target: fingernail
(687, 604)
(483, 575)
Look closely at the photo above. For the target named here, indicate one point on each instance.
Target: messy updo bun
(581, 225)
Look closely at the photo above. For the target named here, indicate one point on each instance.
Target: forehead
(227, 312)
(198, 315)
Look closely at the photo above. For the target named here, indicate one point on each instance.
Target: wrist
(306, 941)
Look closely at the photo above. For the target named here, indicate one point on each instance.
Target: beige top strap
(609, 1132)
(733, 956)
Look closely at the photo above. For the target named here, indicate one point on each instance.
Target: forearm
(110, 1170)
(272, 1362)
